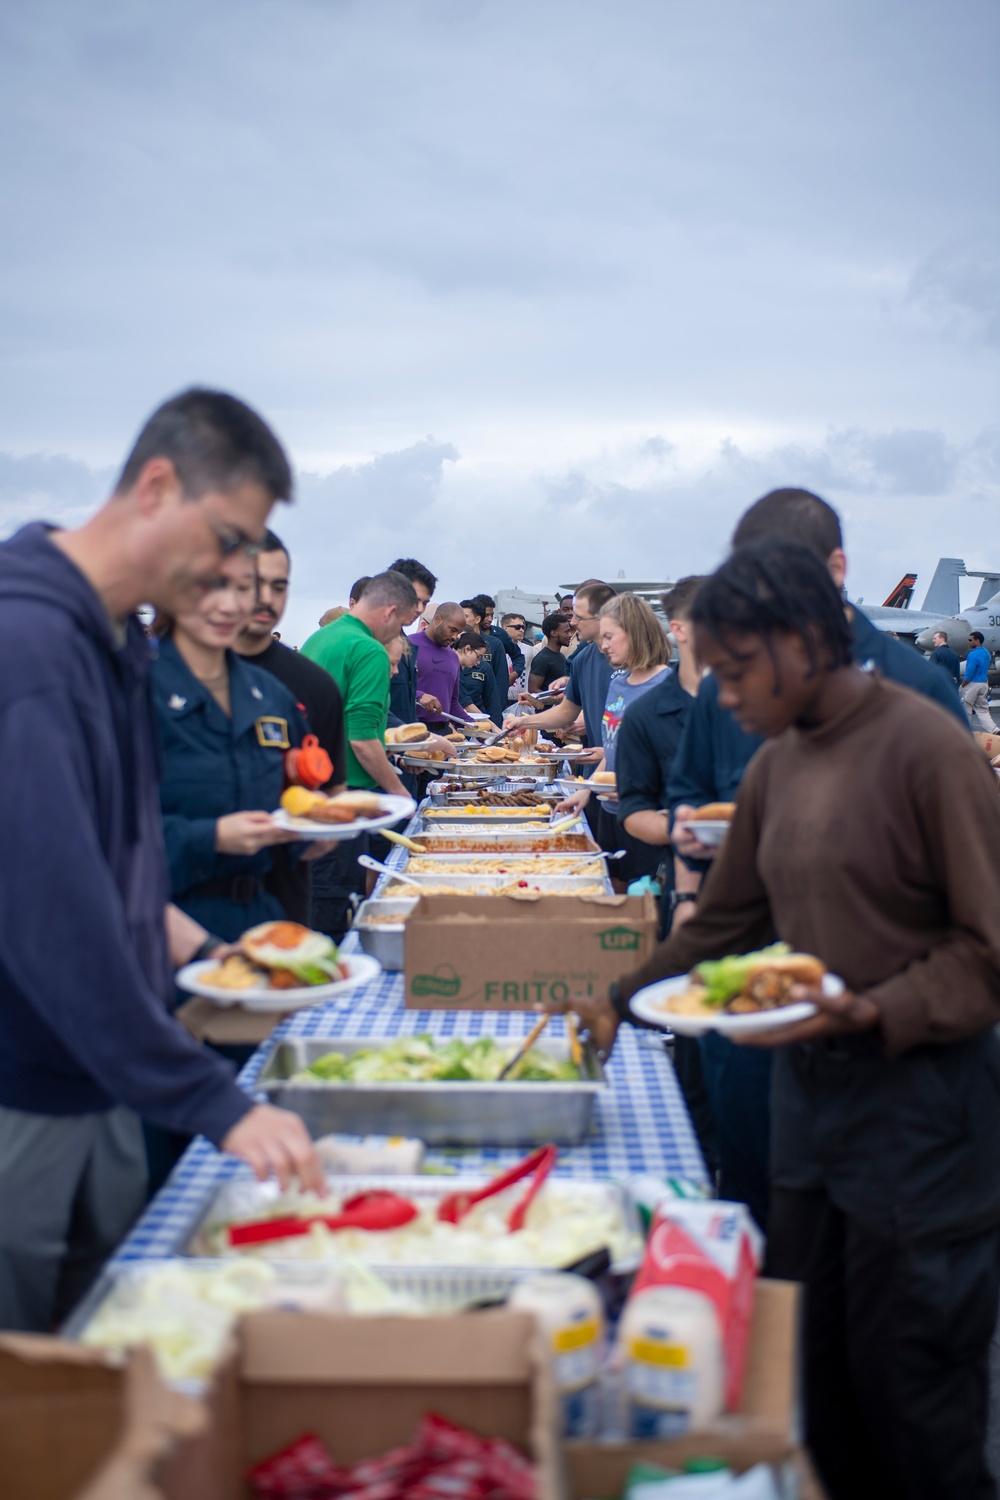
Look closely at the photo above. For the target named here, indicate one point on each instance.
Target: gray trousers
(976, 697)
(70, 1187)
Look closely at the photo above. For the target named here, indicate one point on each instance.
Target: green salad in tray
(418, 1059)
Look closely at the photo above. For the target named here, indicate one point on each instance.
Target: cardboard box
(600, 1470)
(509, 953)
(362, 1384)
(228, 1025)
(761, 1431)
(74, 1425)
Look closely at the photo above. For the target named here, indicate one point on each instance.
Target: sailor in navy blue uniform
(215, 764)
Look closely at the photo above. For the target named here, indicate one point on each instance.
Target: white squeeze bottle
(672, 1367)
(568, 1309)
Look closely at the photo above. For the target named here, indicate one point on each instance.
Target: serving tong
(380, 1210)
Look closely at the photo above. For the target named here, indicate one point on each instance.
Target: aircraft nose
(955, 630)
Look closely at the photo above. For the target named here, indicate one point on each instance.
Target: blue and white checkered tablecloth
(641, 1122)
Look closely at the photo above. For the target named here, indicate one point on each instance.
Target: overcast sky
(532, 289)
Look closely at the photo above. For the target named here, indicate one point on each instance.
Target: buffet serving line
(518, 1287)
(640, 1123)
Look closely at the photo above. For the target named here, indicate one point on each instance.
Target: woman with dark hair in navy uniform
(224, 727)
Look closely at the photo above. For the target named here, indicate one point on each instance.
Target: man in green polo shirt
(352, 650)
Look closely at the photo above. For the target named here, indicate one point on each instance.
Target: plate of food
(314, 815)
(750, 992)
(279, 966)
(574, 752)
(406, 734)
(710, 824)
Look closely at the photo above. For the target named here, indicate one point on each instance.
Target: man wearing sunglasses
(87, 939)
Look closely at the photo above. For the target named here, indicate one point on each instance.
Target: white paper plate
(650, 1005)
(708, 831)
(360, 968)
(563, 754)
(393, 809)
(568, 786)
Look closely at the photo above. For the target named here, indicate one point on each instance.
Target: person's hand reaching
(596, 1014)
(275, 1143)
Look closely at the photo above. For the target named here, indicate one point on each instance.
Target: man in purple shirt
(438, 667)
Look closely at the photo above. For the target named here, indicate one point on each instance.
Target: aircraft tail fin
(943, 596)
(989, 588)
(902, 593)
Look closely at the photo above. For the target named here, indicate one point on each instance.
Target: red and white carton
(713, 1248)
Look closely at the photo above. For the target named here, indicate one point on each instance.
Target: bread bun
(714, 812)
(408, 734)
(769, 983)
(358, 804)
(800, 968)
(604, 778)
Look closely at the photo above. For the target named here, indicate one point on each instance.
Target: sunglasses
(231, 541)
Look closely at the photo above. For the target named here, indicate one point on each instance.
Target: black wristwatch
(679, 897)
(207, 948)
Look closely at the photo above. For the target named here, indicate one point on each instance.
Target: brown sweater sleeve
(733, 914)
(954, 991)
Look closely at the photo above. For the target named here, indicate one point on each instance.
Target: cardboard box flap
(769, 1386)
(74, 1423)
(602, 1468)
(511, 908)
(487, 1348)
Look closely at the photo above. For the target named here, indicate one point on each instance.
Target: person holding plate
(225, 728)
(632, 639)
(865, 834)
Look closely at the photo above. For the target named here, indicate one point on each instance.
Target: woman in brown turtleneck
(867, 832)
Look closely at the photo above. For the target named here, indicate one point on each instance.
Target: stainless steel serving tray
(243, 1198)
(483, 770)
(381, 940)
(454, 814)
(438, 1289)
(568, 885)
(514, 840)
(440, 1114)
(565, 863)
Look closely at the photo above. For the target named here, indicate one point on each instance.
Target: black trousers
(738, 1085)
(338, 885)
(896, 1337)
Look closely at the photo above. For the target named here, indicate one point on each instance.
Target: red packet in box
(303, 1470)
(713, 1248)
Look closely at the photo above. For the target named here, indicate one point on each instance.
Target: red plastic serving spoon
(376, 1211)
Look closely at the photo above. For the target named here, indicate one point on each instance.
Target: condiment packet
(302, 1471)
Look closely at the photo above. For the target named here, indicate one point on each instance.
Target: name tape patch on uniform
(272, 732)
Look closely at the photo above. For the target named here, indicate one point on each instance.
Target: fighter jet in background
(942, 609)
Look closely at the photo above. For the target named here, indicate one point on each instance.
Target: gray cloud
(959, 285)
(635, 263)
(649, 507)
(49, 486)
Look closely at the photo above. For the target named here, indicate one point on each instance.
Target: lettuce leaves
(724, 978)
(416, 1059)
